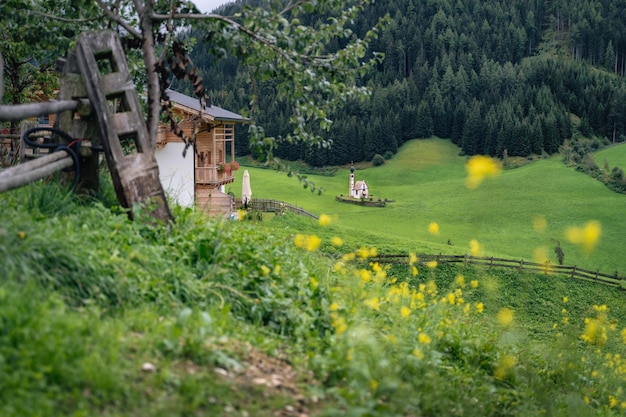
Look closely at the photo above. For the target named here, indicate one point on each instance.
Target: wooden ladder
(119, 118)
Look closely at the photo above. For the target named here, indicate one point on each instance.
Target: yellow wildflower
(417, 352)
(376, 266)
(313, 283)
(325, 220)
(348, 257)
(241, 214)
(340, 325)
(365, 274)
(313, 242)
(475, 247)
(460, 281)
(373, 384)
(333, 307)
(21, 235)
(586, 236)
(565, 299)
(336, 241)
(423, 339)
(623, 333)
(612, 401)
(595, 332)
(433, 228)
(299, 240)
(450, 299)
(413, 258)
(432, 264)
(405, 311)
(266, 270)
(363, 252)
(373, 303)
(414, 271)
(431, 288)
(478, 168)
(505, 317)
(506, 363)
(474, 283)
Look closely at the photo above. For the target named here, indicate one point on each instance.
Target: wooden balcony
(211, 176)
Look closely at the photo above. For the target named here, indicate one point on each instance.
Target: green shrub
(378, 160)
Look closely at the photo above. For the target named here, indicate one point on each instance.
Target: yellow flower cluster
(308, 242)
(325, 220)
(586, 236)
(505, 365)
(595, 332)
(505, 317)
(480, 167)
(475, 247)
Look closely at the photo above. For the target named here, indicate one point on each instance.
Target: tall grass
(103, 316)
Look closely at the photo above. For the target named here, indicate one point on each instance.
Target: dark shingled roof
(217, 113)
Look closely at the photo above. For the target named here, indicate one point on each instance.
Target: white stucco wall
(176, 173)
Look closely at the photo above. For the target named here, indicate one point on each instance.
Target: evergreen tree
(424, 120)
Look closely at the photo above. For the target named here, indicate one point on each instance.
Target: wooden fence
(272, 206)
(521, 265)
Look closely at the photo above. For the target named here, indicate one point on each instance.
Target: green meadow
(426, 181)
(615, 156)
(104, 316)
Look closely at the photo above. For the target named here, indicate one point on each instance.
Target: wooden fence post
(83, 128)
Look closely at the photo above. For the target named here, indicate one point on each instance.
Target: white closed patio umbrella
(246, 191)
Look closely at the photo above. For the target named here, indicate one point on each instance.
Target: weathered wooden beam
(17, 112)
(118, 116)
(20, 175)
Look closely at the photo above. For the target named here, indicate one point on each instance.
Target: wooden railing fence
(272, 206)
(521, 265)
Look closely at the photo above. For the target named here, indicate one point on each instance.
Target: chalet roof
(216, 113)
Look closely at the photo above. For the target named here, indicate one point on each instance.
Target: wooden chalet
(200, 177)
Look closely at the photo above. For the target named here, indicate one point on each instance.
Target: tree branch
(62, 19)
(265, 41)
(117, 19)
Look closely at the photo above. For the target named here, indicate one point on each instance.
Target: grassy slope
(426, 180)
(88, 297)
(614, 155)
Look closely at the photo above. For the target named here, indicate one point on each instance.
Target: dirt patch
(276, 376)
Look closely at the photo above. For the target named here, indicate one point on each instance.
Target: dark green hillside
(463, 71)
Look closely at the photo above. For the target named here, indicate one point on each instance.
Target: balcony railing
(211, 176)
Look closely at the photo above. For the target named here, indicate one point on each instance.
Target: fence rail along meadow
(521, 265)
